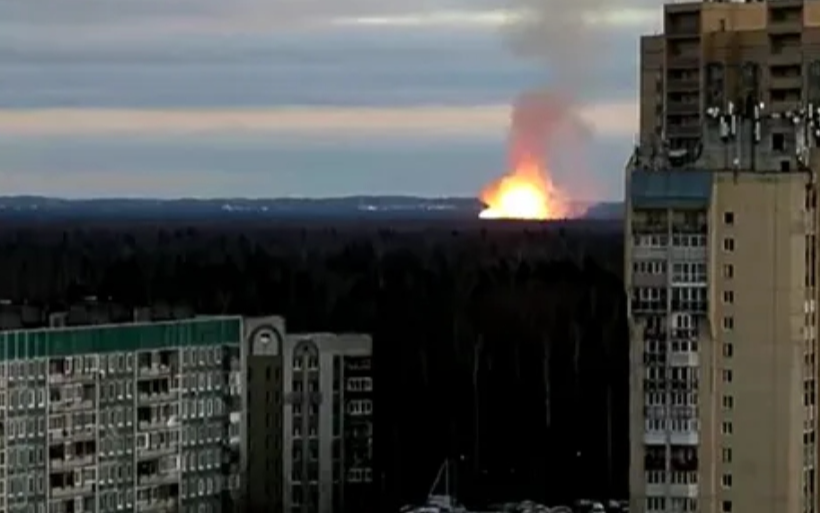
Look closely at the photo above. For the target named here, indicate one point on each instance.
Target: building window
(729, 218)
(728, 350)
(779, 142)
(728, 244)
(726, 507)
(728, 271)
(726, 480)
(726, 454)
(728, 297)
(728, 402)
(727, 375)
(727, 428)
(655, 503)
(728, 323)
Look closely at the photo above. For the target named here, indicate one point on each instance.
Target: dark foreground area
(502, 345)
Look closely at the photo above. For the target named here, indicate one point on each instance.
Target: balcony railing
(160, 478)
(69, 463)
(672, 489)
(659, 437)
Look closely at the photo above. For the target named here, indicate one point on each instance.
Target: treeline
(503, 346)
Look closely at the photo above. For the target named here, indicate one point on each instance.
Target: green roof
(110, 338)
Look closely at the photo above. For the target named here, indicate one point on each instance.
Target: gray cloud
(202, 54)
(130, 18)
(388, 70)
(46, 21)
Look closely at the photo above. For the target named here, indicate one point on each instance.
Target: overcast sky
(270, 98)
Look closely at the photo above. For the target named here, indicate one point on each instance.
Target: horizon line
(269, 198)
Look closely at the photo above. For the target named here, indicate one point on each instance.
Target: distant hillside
(354, 206)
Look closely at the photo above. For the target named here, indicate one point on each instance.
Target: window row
(654, 372)
(649, 267)
(659, 241)
(673, 425)
(360, 384)
(675, 398)
(202, 459)
(689, 272)
(201, 486)
(675, 477)
(360, 407)
(677, 504)
(677, 345)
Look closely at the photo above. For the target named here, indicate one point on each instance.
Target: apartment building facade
(126, 417)
(310, 420)
(721, 261)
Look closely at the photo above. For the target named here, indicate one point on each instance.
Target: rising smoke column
(558, 34)
(567, 38)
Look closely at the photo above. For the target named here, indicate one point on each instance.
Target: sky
(274, 98)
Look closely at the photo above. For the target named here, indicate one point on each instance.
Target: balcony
(62, 378)
(694, 281)
(642, 279)
(683, 359)
(682, 85)
(158, 505)
(684, 108)
(789, 56)
(689, 253)
(71, 491)
(649, 253)
(659, 437)
(71, 406)
(672, 489)
(169, 477)
(683, 62)
(145, 399)
(75, 435)
(786, 27)
(149, 453)
(70, 463)
(155, 371)
(684, 130)
(159, 424)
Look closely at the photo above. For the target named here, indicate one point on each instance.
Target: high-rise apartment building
(310, 420)
(721, 261)
(139, 416)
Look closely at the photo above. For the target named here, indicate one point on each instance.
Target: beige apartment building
(721, 261)
(309, 421)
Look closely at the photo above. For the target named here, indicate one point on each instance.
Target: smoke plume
(559, 34)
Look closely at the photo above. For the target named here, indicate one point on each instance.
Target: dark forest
(503, 346)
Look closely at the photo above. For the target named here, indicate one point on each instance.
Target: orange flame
(526, 193)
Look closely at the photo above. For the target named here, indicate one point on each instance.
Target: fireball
(525, 193)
